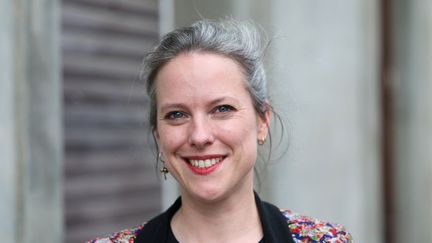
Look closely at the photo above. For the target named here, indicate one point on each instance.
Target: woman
(209, 112)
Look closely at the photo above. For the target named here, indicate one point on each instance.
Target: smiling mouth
(204, 163)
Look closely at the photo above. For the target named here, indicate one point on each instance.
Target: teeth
(204, 163)
(207, 163)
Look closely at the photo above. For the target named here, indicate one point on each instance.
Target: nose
(201, 132)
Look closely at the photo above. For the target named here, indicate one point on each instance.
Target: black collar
(274, 224)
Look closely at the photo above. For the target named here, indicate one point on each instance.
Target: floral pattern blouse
(303, 229)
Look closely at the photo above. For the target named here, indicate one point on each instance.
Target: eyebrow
(211, 103)
(172, 106)
(219, 100)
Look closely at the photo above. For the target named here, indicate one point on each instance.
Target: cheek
(240, 133)
(170, 138)
(244, 146)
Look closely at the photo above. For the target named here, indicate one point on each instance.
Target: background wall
(30, 122)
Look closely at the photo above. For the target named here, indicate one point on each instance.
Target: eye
(174, 115)
(223, 109)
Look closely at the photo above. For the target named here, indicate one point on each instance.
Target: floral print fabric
(307, 229)
(124, 236)
(303, 229)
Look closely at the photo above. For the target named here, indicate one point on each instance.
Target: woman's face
(207, 128)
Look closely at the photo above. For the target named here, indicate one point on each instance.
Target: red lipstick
(204, 165)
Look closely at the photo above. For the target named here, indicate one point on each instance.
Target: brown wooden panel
(118, 115)
(111, 181)
(108, 66)
(107, 162)
(104, 45)
(101, 91)
(105, 186)
(140, 7)
(86, 18)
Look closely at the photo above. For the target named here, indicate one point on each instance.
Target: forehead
(200, 72)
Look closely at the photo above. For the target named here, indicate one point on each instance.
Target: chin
(209, 194)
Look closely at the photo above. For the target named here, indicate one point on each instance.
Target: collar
(274, 224)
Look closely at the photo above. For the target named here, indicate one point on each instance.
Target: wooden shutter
(110, 177)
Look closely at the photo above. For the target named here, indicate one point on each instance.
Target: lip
(206, 170)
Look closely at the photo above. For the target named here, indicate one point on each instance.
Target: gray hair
(238, 40)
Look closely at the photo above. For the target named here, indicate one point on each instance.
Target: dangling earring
(164, 169)
(261, 141)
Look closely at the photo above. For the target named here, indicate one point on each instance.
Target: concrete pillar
(324, 82)
(7, 127)
(30, 122)
(412, 77)
(187, 11)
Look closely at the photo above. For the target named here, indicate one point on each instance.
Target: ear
(264, 124)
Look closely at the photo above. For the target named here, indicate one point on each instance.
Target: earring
(164, 169)
(261, 141)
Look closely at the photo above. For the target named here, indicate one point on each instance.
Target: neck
(232, 219)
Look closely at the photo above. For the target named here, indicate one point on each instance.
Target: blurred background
(352, 81)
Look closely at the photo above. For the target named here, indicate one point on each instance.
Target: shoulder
(124, 236)
(307, 229)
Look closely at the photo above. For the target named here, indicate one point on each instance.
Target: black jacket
(274, 224)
